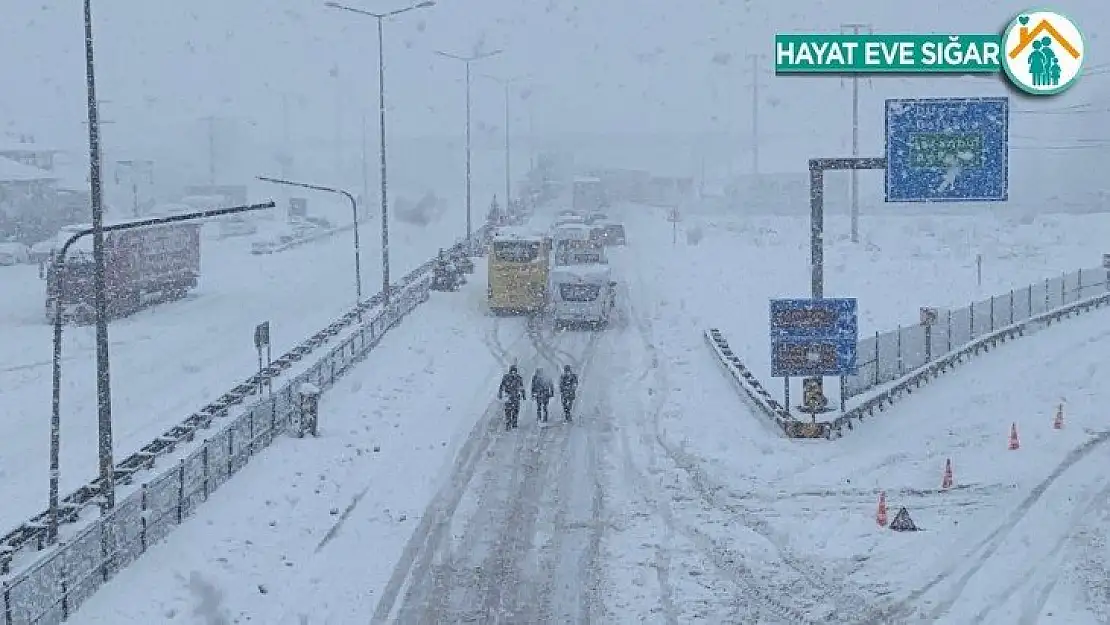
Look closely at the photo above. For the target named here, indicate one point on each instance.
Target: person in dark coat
(568, 387)
(542, 392)
(512, 391)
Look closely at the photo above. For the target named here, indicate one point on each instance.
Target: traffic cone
(1058, 422)
(1014, 443)
(946, 482)
(880, 514)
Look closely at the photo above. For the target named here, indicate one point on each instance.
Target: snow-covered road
(167, 361)
(666, 501)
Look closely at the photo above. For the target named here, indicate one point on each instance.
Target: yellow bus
(518, 270)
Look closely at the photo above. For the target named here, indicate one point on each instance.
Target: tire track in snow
(844, 602)
(422, 546)
(444, 588)
(982, 551)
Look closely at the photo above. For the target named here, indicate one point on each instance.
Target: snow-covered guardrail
(315, 236)
(163, 483)
(880, 399)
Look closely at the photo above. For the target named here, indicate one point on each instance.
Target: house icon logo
(1042, 52)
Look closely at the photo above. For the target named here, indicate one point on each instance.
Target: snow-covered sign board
(947, 150)
(813, 337)
(1106, 261)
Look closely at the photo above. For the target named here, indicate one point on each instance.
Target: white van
(582, 295)
(572, 244)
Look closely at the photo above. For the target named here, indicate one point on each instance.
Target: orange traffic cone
(947, 481)
(1058, 422)
(1014, 443)
(880, 514)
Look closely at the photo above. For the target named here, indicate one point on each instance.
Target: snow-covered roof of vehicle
(581, 273)
(587, 179)
(574, 227)
(517, 234)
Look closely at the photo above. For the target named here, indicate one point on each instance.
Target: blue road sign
(947, 150)
(813, 337)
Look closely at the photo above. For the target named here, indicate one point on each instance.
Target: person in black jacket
(568, 387)
(542, 392)
(512, 391)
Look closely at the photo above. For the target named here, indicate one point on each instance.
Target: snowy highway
(666, 501)
(169, 360)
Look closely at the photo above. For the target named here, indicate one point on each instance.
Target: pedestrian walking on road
(512, 392)
(568, 387)
(542, 392)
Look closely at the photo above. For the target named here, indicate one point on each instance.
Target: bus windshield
(516, 251)
(579, 292)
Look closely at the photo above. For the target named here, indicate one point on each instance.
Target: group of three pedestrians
(512, 391)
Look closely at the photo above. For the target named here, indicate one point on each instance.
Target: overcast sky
(605, 65)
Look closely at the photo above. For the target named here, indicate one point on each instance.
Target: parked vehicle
(14, 254)
(142, 266)
(582, 295)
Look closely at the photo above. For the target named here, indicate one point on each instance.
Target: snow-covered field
(667, 500)
(171, 359)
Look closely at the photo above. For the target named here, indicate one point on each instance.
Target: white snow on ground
(667, 500)
(169, 360)
(803, 512)
(312, 527)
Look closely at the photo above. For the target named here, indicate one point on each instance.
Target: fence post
(948, 323)
(1011, 307)
(901, 363)
(992, 313)
(1079, 284)
(7, 603)
(876, 359)
(971, 321)
(181, 491)
(143, 507)
(230, 450)
(1047, 296)
(1030, 301)
(1063, 288)
(204, 464)
(63, 581)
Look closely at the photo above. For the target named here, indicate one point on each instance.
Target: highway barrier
(162, 484)
(909, 364)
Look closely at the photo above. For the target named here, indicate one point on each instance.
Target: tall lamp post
(354, 218)
(103, 379)
(56, 285)
(381, 17)
(468, 60)
(508, 84)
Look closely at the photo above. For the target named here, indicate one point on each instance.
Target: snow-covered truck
(582, 295)
(142, 266)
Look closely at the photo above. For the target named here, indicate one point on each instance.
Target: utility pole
(508, 154)
(755, 59)
(856, 29)
(467, 60)
(338, 127)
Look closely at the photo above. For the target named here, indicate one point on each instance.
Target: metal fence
(49, 591)
(890, 355)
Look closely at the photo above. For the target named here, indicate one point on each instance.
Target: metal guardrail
(887, 356)
(899, 387)
(48, 591)
(316, 236)
(31, 535)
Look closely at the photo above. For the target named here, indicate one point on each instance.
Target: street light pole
(507, 83)
(381, 121)
(56, 283)
(96, 197)
(468, 60)
(354, 218)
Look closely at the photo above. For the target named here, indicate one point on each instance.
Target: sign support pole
(817, 168)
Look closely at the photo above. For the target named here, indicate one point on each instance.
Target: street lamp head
(425, 4)
(333, 5)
